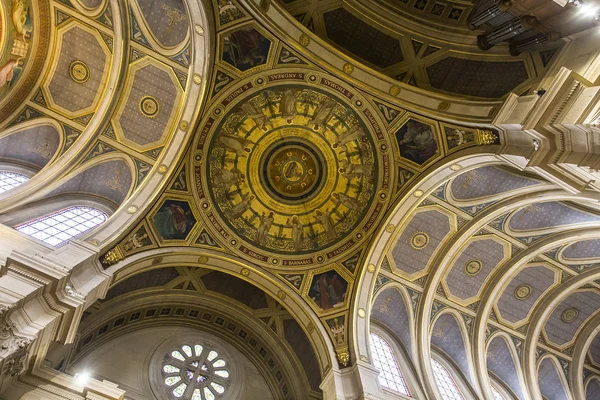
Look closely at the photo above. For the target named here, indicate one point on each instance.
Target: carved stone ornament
(17, 348)
(13, 348)
(485, 137)
(343, 356)
(112, 257)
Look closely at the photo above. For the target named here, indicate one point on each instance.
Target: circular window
(195, 373)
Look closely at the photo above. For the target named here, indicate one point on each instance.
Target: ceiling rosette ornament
(292, 169)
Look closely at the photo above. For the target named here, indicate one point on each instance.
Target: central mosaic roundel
(291, 170)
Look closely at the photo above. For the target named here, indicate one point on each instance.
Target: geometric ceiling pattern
(264, 216)
(389, 37)
(132, 121)
(489, 234)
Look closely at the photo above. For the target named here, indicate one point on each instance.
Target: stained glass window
(384, 360)
(9, 180)
(445, 382)
(56, 228)
(195, 373)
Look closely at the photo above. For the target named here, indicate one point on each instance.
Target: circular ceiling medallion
(79, 71)
(419, 240)
(569, 315)
(291, 170)
(149, 106)
(473, 267)
(294, 170)
(523, 291)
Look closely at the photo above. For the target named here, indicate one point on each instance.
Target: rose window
(195, 373)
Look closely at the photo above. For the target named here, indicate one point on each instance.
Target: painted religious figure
(417, 141)
(266, 221)
(14, 41)
(174, 220)
(245, 48)
(328, 290)
(297, 232)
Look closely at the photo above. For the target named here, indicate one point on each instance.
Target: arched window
(390, 375)
(445, 383)
(10, 180)
(56, 228)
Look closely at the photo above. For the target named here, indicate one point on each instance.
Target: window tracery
(390, 375)
(195, 373)
(10, 180)
(58, 227)
(445, 383)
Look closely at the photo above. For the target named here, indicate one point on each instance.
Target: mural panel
(174, 220)
(328, 290)
(245, 48)
(16, 27)
(417, 141)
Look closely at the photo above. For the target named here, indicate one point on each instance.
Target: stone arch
(403, 312)
(592, 388)
(584, 340)
(83, 187)
(215, 260)
(540, 316)
(32, 145)
(449, 335)
(425, 185)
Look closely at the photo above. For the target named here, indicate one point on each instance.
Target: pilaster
(359, 382)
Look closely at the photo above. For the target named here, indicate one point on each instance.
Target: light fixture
(588, 9)
(82, 378)
(69, 289)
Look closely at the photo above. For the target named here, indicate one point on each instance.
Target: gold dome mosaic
(292, 171)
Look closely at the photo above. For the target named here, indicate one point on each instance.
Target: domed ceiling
(114, 105)
(285, 164)
(427, 44)
(292, 169)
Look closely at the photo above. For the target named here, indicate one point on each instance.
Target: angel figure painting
(174, 220)
(15, 34)
(417, 141)
(245, 48)
(328, 290)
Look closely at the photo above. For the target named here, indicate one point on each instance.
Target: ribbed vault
(489, 261)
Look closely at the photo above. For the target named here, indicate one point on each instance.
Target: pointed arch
(592, 388)
(552, 381)
(449, 335)
(447, 381)
(391, 308)
(32, 144)
(387, 320)
(503, 363)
